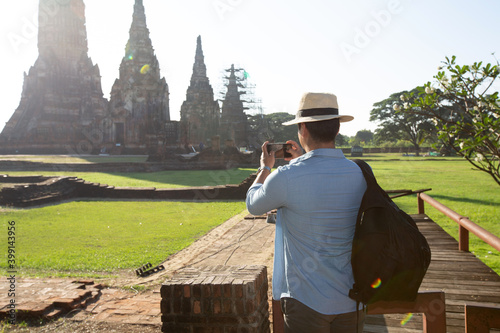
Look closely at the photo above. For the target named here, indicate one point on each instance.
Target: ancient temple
(62, 103)
(139, 100)
(200, 113)
(234, 123)
(62, 108)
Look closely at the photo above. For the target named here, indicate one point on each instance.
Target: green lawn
(75, 236)
(84, 238)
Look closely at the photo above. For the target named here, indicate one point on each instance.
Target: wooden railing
(480, 318)
(465, 225)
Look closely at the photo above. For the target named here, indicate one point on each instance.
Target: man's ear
(303, 130)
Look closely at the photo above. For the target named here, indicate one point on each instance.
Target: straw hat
(318, 107)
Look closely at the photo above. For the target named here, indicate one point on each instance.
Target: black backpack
(389, 254)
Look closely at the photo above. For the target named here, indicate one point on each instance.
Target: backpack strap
(371, 181)
(367, 173)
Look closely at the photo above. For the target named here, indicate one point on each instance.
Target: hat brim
(342, 119)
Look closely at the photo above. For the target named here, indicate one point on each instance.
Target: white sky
(362, 50)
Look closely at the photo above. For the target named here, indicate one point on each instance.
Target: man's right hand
(296, 150)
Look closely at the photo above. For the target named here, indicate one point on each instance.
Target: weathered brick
(190, 319)
(175, 328)
(227, 290)
(250, 287)
(166, 306)
(187, 291)
(223, 320)
(177, 304)
(186, 306)
(206, 305)
(216, 290)
(206, 290)
(168, 318)
(177, 291)
(250, 306)
(228, 306)
(196, 307)
(166, 291)
(238, 289)
(239, 307)
(197, 291)
(217, 306)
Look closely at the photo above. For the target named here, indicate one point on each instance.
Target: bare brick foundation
(216, 299)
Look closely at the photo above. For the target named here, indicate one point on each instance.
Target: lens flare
(130, 57)
(376, 283)
(145, 69)
(406, 319)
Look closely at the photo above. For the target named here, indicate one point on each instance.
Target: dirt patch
(69, 326)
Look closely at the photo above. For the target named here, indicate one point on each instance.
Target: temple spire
(65, 39)
(200, 112)
(139, 32)
(233, 123)
(199, 67)
(139, 100)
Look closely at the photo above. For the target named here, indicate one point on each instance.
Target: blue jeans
(300, 318)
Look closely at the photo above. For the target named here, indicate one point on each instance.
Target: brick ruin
(26, 191)
(216, 299)
(62, 108)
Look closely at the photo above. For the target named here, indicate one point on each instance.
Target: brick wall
(54, 189)
(218, 299)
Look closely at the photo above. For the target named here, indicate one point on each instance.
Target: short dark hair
(323, 131)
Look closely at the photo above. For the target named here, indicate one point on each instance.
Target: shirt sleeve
(262, 198)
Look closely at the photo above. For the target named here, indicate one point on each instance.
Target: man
(317, 195)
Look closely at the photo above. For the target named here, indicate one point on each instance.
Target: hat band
(317, 112)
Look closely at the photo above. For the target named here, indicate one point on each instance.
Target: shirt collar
(323, 152)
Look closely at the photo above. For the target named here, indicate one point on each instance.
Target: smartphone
(281, 149)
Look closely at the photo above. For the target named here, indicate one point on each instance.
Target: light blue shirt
(318, 196)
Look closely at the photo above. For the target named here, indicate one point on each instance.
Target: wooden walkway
(463, 278)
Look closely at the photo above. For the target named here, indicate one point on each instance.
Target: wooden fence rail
(480, 318)
(465, 225)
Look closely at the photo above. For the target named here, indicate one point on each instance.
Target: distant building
(63, 110)
(200, 112)
(139, 101)
(62, 104)
(234, 123)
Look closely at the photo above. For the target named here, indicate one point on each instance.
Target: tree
(341, 140)
(464, 111)
(395, 125)
(364, 136)
(268, 127)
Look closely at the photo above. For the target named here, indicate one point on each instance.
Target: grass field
(88, 238)
(74, 238)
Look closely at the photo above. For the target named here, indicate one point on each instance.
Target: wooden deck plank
(462, 276)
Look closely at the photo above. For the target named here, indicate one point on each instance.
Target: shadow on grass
(189, 178)
(464, 200)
